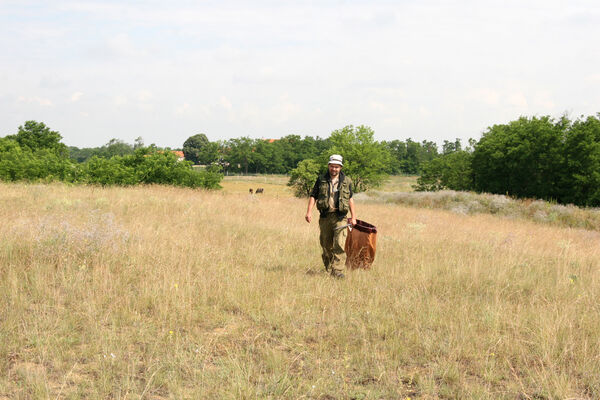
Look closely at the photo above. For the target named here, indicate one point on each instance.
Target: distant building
(179, 154)
(271, 140)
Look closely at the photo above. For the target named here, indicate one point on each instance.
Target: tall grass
(159, 292)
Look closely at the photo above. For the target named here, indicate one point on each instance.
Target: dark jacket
(320, 192)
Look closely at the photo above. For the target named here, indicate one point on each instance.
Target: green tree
(199, 150)
(303, 177)
(81, 155)
(267, 158)
(522, 158)
(580, 182)
(397, 150)
(240, 153)
(449, 171)
(115, 147)
(108, 171)
(147, 165)
(451, 147)
(36, 136)
(365, 160)
(408, 157)
(22, 164)
(138, 142)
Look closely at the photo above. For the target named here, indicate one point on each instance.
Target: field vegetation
(484, 203)
(160, 292)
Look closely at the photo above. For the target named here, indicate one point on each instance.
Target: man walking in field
(332, 194)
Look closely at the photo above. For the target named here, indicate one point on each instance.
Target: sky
(426, 70)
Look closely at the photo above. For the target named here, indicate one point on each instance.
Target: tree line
(35, 153)
(532, 157)
(281, 156)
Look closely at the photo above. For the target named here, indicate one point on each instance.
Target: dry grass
(158, 292)
(399, 183)
(272, 184)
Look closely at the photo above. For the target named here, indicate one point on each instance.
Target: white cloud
(120, 100)
(225, 103)
(283, 111)
(486, 96)
(517, 99)
(594, 78)
(183, 109)
(544, 100)
(40, 101)
(144, 96)
(75, 97)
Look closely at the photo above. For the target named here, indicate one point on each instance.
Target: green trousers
(332, 242)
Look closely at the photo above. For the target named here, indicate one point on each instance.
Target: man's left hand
(353, 221)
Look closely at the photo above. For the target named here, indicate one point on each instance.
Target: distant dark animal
(251, 191)
(259, 190)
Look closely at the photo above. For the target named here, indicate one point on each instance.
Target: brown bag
(361, 243)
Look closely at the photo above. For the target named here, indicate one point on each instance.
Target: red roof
(178, 153)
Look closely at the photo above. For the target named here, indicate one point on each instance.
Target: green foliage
(450, 171)
(295, 149)
(199, 150)
(107, 171)
(246, 155)
(24, 164)
(522, 158)
(267, 157)
(148, 165)
(37, 136)
(36, 154)
(408, 157)
(82, 155)
(537, 157)
(303, 177)
(451, 147)
(581, 174)
(114, 147)
(365, 160)
(239, 153)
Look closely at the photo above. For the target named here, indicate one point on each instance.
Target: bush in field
(114, 147)
(162, 167)
(107, 171)
(35, 153)
(37, 136)
(303, 177)
(147, 165)
(24, 164)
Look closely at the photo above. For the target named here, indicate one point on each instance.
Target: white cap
(336, 159)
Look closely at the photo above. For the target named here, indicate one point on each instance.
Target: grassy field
(168, 293)
(276, 184)
(273, 185)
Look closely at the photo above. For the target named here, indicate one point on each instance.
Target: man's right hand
(308, 218)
